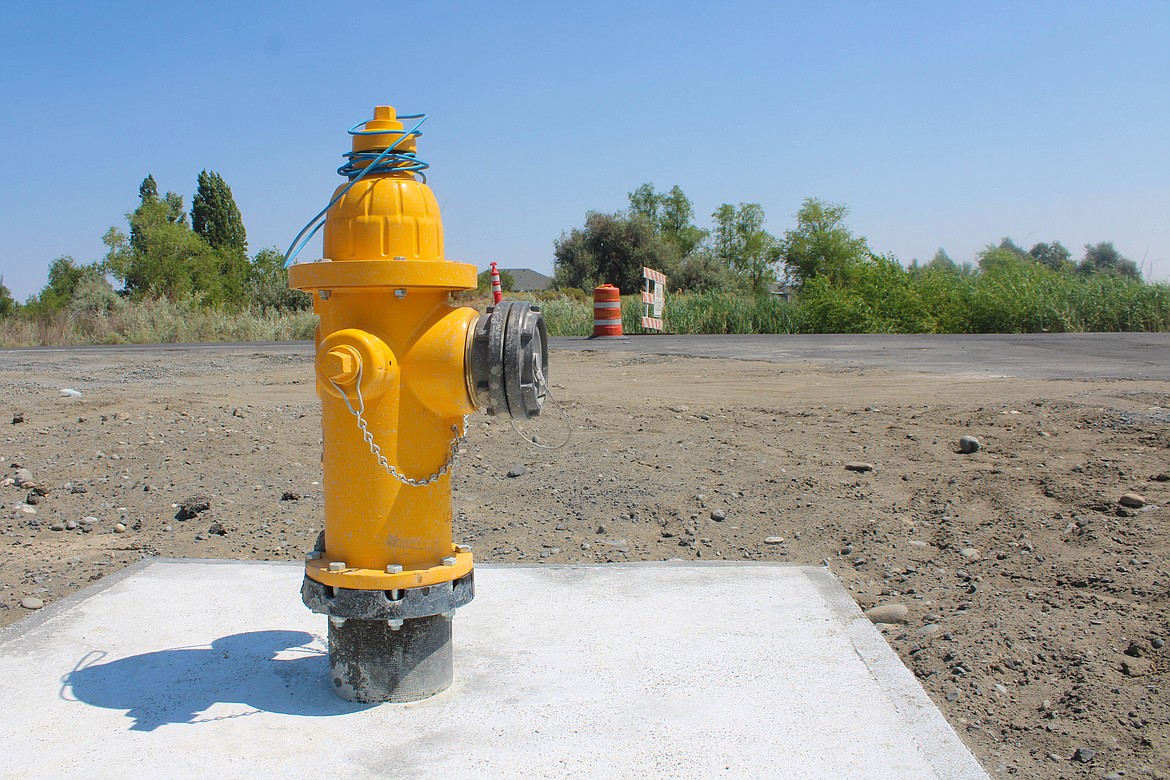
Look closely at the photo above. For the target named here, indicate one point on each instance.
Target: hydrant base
(371, 662)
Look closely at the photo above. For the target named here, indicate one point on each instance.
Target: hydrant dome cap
(383, 131)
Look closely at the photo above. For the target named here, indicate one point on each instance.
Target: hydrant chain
(377, 451)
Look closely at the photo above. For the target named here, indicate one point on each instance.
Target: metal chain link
(377, 451)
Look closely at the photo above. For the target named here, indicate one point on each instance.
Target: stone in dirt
(517, 470)
(969, 444)
(217, 529)
(860, 468)
(774, 540)
(289, 495)
(31, 602)
(1136, 667)
(718, 515)
(1132, 500)
(1084, 755)
(192, 507)
(970, 553)
(22, 477)
(888, 613)
(18, 418)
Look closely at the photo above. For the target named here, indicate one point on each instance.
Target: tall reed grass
(156, 322)
(880, 298)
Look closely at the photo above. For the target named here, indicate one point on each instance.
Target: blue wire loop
(357, 166)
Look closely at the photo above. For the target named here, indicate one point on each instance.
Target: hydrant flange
(400, 604)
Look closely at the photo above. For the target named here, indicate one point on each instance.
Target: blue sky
(937, 123)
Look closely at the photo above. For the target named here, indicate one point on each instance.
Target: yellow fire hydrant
(398, 368)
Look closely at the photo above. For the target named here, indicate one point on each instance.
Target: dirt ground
(1037, 604)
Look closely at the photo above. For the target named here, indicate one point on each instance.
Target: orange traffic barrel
(607, 312)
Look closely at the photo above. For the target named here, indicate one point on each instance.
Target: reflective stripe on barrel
(607, 311)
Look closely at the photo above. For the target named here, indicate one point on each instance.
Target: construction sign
(653, 298)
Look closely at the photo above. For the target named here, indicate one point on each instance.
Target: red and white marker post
(497, 288)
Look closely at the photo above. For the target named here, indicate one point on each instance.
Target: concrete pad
(208, 668)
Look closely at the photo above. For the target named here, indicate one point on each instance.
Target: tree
(162, 257)
(7, 303)
(1008, 245)
(611, 248)
(702, 271)
(743, 245)
(268, 283)
(942, 261)
(214, 215)
(483, 282)
(1053, 255)
(148, 190)
(148, 211)
(822, 245)
(998, 257)
(66, 276)
(216, 219)
(645, 202)
(1103, 258)
(670, 214)
(176, 214)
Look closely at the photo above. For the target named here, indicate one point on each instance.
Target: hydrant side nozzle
(350, 353)
(509, 360)
(342, 364)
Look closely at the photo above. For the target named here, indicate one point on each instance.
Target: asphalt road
(1035, 355)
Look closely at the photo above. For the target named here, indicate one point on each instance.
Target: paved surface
(214, 669)
(1032, 355)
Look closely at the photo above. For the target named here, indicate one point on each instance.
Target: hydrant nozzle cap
(385, 119)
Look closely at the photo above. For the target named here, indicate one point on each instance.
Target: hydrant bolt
(394, 568)
(448, 561)
(337, 566)
(463, 548)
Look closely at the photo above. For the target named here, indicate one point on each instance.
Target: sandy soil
(1036, 604)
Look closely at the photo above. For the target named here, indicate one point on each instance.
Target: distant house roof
(525, 279)
(781, 290)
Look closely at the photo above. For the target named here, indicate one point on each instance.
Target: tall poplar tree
(216, 219)
(215, 216)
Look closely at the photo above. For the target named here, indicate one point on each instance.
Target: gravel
(1046, 612)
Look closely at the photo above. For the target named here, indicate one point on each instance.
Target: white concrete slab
(215, 669)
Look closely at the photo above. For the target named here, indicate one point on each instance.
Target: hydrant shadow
(266, 671)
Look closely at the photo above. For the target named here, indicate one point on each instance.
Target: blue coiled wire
(357, 166)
